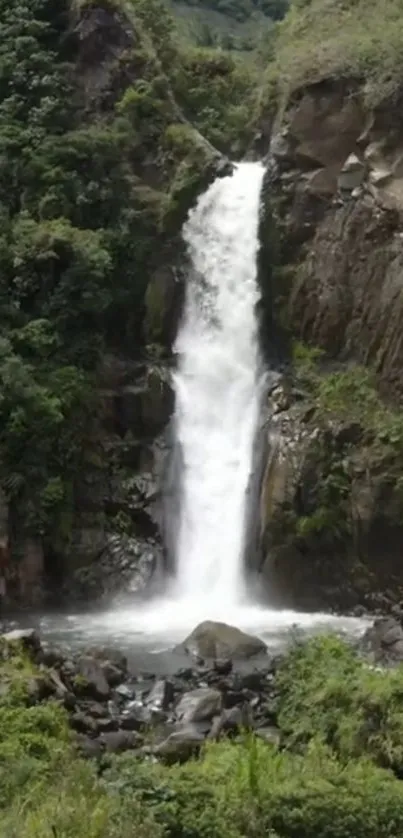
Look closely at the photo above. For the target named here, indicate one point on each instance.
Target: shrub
(327, 691)
(248, 789)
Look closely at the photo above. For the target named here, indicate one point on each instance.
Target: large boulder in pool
(218, 640)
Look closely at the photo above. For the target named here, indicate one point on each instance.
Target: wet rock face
(338, 195)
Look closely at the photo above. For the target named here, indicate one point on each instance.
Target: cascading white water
(217, 386)
(217, 405)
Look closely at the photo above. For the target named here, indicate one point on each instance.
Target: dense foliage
(83, 224)
(340, 722)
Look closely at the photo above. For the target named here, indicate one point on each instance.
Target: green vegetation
(342, 727)
(241, 10)
(83, 223)
(357, 430)
(348, 395)
(327, 692)
(343, 39)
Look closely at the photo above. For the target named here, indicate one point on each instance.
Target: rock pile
(112, 709)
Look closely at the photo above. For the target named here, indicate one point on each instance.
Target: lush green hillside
(233, 24)
(241, 10)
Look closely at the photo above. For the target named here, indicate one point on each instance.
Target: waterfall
(217, 387)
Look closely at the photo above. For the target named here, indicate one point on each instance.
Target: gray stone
(232, 720)
(136, 718)
(119, 741)
(223, 666)
(94, 682)
(124, 691)
(89, 748)
(180, 745)
(215, 640)
(112, 673)
(161, 695)
(379, 176)
(199, 705)
(352, 174)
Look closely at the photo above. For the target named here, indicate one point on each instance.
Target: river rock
(82, 723)
(91, 680)
(231, 721)
(383, 641)
(112, 673)
(180, 745)
(136, 717)
(88, 747)
(161, 695)
(121, 740)
(199, 705)
(219, 640)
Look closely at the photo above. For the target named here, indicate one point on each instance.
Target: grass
(360, 39)
(327, 692)
(349, 394)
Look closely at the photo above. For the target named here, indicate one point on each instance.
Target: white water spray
(217, 387)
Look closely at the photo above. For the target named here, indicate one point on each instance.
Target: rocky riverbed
(224, 683)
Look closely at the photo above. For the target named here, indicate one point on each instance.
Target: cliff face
(331, 504)
(340, 170)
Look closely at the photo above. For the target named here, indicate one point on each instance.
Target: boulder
(199, 705)
(383, 641)
(231, 721)
(219, 640)
(88, 747)
(118, 741)
(82, 723)
(352, 174)
(161, 695)
(180, 745)
(91, 680)
(136, 717)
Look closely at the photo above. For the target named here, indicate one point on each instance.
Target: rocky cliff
(331, 504)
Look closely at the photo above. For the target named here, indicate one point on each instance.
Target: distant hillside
(235, 24)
